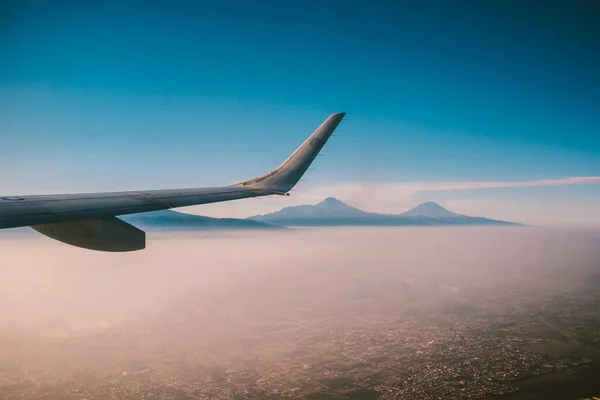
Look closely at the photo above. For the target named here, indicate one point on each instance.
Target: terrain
(328, 313)
(174, 220)
(333, 212)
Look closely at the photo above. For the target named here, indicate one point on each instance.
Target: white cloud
(443, 186)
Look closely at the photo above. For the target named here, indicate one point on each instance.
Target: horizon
(183, 210)
(458, 110)
(197, 210)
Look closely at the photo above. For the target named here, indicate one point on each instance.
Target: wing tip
(285, 176)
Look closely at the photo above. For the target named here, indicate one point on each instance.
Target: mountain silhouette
(329, 212)
(333, 212)
(328, 208)
(173, 220)
(430, 209)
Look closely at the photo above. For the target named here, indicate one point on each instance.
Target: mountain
(173, 220)
(169, 220)
(328, 208)
(332, 212)
(431, 210)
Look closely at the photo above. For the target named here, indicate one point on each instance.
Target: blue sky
(138, 95)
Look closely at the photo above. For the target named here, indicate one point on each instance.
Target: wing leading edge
(18, 211)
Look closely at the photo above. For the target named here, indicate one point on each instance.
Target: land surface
(337, 313)
(333, 212)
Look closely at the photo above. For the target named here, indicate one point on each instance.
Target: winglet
(285, 177)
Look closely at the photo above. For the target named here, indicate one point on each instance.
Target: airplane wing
(89, 220)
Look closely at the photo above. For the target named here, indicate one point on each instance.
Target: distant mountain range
(332, 212)
(329, 212)
(173, 220)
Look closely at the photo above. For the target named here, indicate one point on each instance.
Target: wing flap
(107, 234)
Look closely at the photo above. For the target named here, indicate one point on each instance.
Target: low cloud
(409, 188)
(444, 186)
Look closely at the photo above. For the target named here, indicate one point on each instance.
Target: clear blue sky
(102, 95)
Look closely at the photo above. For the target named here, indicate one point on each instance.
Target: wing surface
(18, 211)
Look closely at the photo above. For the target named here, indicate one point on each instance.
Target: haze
(276, 306)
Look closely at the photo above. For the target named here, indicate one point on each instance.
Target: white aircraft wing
(89, 220)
